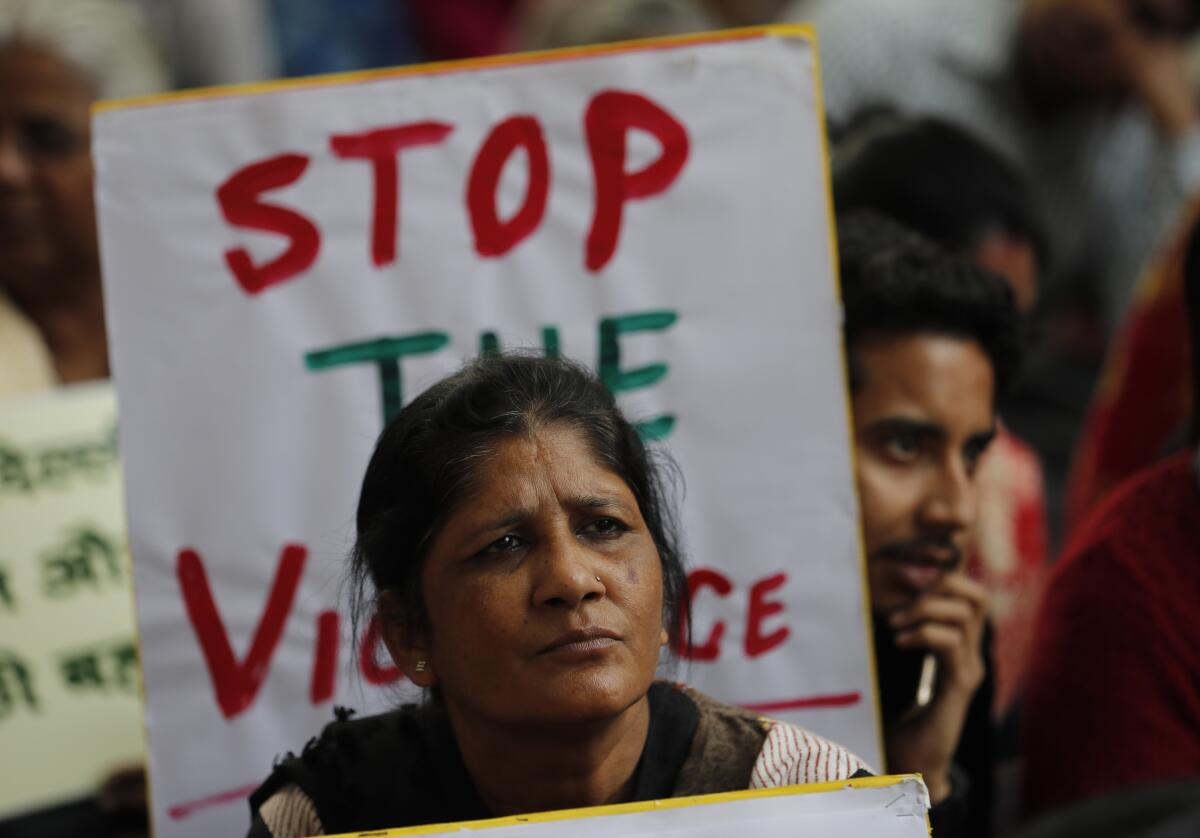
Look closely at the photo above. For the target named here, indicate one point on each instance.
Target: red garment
(1113, 696)
(1010, 555)
(463, 28)
(1144, 394)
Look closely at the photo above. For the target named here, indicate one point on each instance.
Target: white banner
(69, 680)
(879, 807)
(286, 266)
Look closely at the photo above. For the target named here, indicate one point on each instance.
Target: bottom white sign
(882, 807)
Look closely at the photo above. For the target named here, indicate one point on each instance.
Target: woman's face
(543, 589)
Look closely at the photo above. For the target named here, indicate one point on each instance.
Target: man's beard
(939, 551)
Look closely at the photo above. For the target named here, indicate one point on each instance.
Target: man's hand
(947, 621)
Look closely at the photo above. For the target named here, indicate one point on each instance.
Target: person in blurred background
(57, 57)
(1114, 691)
(1091, 100)
(944, 183)
(1141, 407)
(548, 24)
(930, 341)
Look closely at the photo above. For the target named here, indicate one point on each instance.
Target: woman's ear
(409, 650)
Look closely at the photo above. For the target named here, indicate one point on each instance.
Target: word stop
(609, 118)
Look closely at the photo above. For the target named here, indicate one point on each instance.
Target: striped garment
(793, 756)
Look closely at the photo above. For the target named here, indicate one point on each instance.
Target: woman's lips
(581, 642)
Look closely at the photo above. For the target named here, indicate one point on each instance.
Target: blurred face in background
(1092, 48)
(923, 416)
(47, 216)
(1015, 259)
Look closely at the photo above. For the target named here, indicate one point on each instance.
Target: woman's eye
(506, 543)
(605, 527)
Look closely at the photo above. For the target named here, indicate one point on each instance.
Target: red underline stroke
(185, 810)
(807, 703)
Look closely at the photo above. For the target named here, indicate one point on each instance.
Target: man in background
(944, 183)
(930, 341)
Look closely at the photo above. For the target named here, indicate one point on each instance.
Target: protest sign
(881, 807)
(286, 265)
(69, 681)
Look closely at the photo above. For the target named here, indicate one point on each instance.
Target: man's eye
(903, 446)
(972, 454)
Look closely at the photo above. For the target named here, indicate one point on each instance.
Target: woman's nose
(566, 574)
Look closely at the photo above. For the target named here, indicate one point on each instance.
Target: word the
(387, 352)
(756, 642)
(608, 119)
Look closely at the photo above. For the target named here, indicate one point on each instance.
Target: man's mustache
(942, 552)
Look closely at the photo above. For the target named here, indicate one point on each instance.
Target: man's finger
(963, 665)
(939, 609)
(961, 585)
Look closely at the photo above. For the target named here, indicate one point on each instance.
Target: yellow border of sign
(788, 30)
(831, 215)
(644, 806)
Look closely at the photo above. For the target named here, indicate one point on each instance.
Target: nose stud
(597, 578)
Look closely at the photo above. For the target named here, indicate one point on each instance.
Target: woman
(514, 538)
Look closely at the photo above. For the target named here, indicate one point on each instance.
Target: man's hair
(897, 283)
(935, 178)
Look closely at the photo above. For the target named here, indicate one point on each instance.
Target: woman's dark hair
(895, 282)
(425, 459)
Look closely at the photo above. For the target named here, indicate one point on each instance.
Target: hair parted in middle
(426, 457)
(895, 282)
